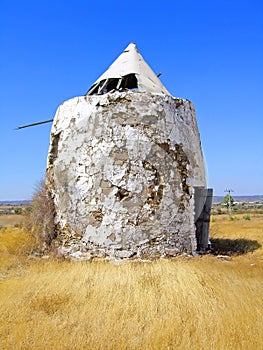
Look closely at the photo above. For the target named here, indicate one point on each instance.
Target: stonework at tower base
(122, 171)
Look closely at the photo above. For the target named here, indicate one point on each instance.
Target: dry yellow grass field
(183, 303)
(11, 220)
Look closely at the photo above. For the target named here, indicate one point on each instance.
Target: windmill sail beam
(34, 124)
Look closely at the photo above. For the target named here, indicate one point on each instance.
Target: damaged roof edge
(128, 71)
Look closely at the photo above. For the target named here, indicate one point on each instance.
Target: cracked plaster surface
(122, 168)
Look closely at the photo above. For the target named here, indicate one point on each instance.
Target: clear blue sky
(210, 52)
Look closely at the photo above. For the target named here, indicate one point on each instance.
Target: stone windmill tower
(126, 170)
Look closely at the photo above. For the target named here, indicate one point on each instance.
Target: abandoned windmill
(125, 168)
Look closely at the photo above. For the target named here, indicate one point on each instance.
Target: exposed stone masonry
(122, 168)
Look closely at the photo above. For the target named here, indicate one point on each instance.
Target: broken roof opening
(102, 87)
(128, 71)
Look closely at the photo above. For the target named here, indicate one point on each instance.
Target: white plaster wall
(121, 169)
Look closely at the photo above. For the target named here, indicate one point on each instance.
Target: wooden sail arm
(34, 124)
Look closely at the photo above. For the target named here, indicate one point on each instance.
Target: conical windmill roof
(130, 71)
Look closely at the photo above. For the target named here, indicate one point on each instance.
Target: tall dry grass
(185, 303)
(15, 246)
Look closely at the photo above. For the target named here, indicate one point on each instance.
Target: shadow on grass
(226, 246)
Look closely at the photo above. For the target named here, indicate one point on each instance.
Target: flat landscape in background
(203, 302)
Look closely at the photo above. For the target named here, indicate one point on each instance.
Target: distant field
(243, 233)
(205, 302)
(10, 220)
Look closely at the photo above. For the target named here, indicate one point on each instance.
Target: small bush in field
(40, 218)
(18, 211)
(247, 217)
